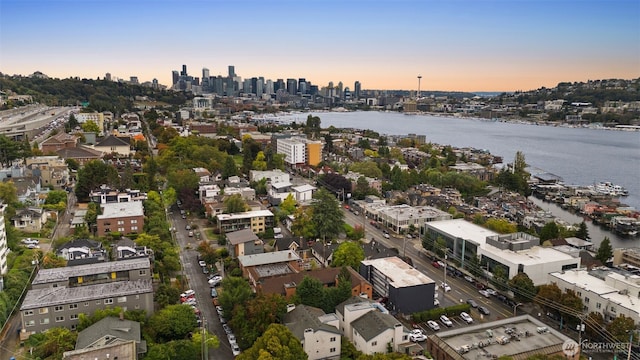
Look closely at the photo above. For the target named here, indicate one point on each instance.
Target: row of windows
(58, 308)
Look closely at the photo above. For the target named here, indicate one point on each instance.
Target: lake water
(580, 156)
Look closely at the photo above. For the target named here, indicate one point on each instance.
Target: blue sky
(466, 45)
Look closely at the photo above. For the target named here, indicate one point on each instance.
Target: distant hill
(101, 95)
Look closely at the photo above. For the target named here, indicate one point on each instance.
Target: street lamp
(515, 308)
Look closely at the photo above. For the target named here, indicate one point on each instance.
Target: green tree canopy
(621, 328)
(367, 168)
(549, 231)
(605, 251)
(237, 291)
(234, 204)
(173, 322)
(277, 343)
(522, 287)
(326, 215)
(90, 126)
(348, 253)
(288, 205)
(92, 175)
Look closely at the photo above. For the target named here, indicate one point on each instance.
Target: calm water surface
(580, 156)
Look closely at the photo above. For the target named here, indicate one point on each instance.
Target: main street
(196, 280)
(461, 290)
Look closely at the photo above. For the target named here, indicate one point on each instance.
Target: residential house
(318, 332)
(107, 195)
(29, 220)
(59, 295)
(125, 218)
(28, 189)
(244, 242)
(125, 248)
(82, 252)
(82, 154)
(303, 193)
(110, 337)
(57, 142)
(113, 144)
(301, 247)
(257, 266)
(51, 170)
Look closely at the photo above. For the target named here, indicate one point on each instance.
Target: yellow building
(314, 152)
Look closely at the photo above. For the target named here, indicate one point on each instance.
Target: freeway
(461, 290)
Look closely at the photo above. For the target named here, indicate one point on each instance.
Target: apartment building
(50, 170)
(318, 332)
(299, 151)
(257, 220)
(58, 296)
(4, 248)
(125, 218)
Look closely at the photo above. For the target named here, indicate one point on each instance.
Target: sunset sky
(465, 45)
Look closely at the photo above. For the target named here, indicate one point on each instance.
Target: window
(332, 350)
(586, 300)
(120, 229)
(374, 343)
(44, 321)
(122, 299)
(58, 308)
(73, 327)
(86, 303)
(30, 323)
(120, 222)
(73, 306)
(579, 294)
(59, 318)
(98, 302)
(613, 309)
(143, 272)
(134, 228)
(332, 339)
(73, 317)
(43, 311)
(108, 301)
(134, 221)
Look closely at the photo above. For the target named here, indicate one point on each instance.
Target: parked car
(417, 337)
(188, 227)
(445, 287)
(214, 293)
(190, 233)
(30, 241)
(491, 291)
(484, 293)
(433, 325)
(232, 338)
(235, 349)
(468, 278)
(464, 316)
(205, 270)
(473, 303)
(436, 302)
(445, 320)
(219, 310)
(202, 263)
(226, 329)
(483, 310)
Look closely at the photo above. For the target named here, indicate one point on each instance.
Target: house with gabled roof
(114, 144)
(82, 251)
(120, 338)
(57, 142)
(82, 154)
(244, 242)
(29, 219)
(318, 332)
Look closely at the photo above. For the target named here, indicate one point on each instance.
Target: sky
(455, 45)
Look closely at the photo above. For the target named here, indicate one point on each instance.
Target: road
(198, 281)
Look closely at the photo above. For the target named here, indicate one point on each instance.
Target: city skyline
(458, 45)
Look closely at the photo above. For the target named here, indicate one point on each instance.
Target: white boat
(608, 188)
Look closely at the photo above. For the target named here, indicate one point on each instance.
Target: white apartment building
(4, 248)
(603, 290)
(294, 149)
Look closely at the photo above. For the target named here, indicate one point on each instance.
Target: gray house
(111, 335)
(244, 242)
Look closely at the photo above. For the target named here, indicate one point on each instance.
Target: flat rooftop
(245, 215)
(399, 273)
(460, 228)
(274, 257)
(45, 276)
(123, 209)
(272, 270)
(39, 298)
(528, 257)
(505, 337)
(582, 280)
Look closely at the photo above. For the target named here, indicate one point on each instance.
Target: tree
(500, 277)
(310, 292)
(582, 232)
(367, 168)
(229, 168)
(572, 302)
(9, 193)
(11, 150)
(328, 143)
(263, 310)
(52, 343)
(236, 291)
(594, 325)
(260, 163)
(549, 231)
(277, 343)
(348, 253)
(288, 205)
(302, 225)
(548, 296)
(326, 215)
(174, 322)
(234, 204)
(502, 226)
(92, 175)
(51, 260)
(621, 327)
(166, 295)
(90, 126)
(522, 287)
(605, 251)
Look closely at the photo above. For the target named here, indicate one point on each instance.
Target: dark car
(483, 310)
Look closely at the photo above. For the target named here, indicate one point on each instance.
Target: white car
(484, 293)
(468, 278)
(433, 325)
(436, 302)
(445, 320)
(215, 281)
(235, 349)
(491, 291)
(202, 263)
(445, 287)
(464, 316)
(232, 338)
(417, 337)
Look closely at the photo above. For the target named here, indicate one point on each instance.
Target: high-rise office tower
(279, 85)
(184, 70)
(175, 76)
(339, 89)
(205, 73)
(260, 87)
(292, 86)
(269, 88)
(357, 89)
(302, 86)
(232, 71)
